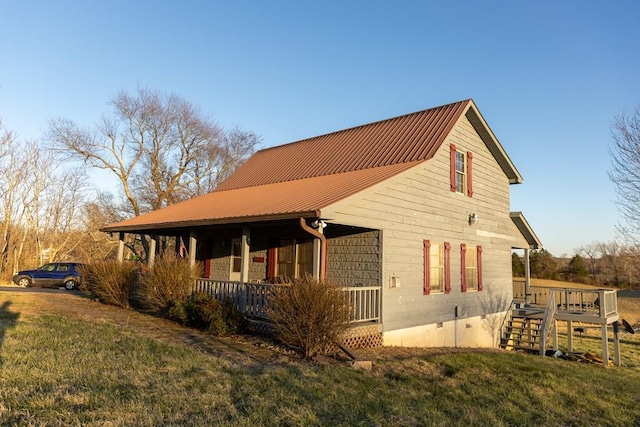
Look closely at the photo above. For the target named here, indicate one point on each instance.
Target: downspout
(323, 249)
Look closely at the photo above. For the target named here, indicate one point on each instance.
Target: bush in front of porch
(200, 311)
(110, 282)
(170, 279)
(309, 314)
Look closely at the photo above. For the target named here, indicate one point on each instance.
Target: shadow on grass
(8, 320)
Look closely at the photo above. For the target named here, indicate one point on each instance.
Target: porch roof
(525, 230)
(269, 202)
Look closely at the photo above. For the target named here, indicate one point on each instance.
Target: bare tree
(12, 173)
(593, 253)
(620, 264)
(625, 171)
(160, 148)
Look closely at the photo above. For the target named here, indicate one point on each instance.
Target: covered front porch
(245, 262)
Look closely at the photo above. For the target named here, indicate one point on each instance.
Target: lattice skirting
(260, 327)
(369, 336)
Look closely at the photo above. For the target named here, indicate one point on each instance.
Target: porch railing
(251, 298)
(599, 302)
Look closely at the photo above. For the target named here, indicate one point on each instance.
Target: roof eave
(142, 228)
(489, 138)
(525, 229)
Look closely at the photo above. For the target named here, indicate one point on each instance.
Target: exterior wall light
(318, 224)
(473, 218)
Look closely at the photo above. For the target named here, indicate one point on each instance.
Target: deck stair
(522, 330)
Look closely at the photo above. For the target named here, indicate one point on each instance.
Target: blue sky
(548, 76)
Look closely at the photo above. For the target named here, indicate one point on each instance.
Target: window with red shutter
(461, 171)
(435, 275)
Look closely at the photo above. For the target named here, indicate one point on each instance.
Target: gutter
(323, 249)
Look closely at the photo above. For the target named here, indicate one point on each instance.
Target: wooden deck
(537, 320)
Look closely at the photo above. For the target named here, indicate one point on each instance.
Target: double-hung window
(461, 171)
(470, 267)
(436, 267)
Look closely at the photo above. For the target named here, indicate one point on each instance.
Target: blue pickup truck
(54, 274)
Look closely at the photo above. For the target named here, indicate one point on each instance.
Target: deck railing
(599, 302)
(251, 298)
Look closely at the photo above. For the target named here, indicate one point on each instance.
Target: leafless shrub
(309, 314)
(170, 279)
(110, 281)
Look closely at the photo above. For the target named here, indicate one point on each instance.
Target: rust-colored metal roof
(289, 199)
(407, 138)
(302, 178)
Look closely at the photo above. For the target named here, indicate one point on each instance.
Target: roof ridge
(364, 125)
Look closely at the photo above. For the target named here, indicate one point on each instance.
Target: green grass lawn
(58, 370)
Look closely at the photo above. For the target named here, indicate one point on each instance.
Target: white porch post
(192, 248)
(244, 255)
(317, 248)
(120, 246)
(527, 278)
(153, 242)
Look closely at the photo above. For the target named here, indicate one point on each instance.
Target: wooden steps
(522, 332)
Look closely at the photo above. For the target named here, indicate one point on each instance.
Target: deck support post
(616, 344)
(605, 346)
(555, 334)
(570, 336)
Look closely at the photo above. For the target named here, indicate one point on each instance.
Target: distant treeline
(603, 264)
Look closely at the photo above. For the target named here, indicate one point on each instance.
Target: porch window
(471, 267)
(436, 267)
(294, 258)
(236, 256)
(461, 171)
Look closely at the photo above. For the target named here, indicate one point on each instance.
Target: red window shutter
(426, 290)
(447, 268)
(207, 268)
(463, 267)
(452, 167)
(469, 174)
(271, 259)
(479, 253)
